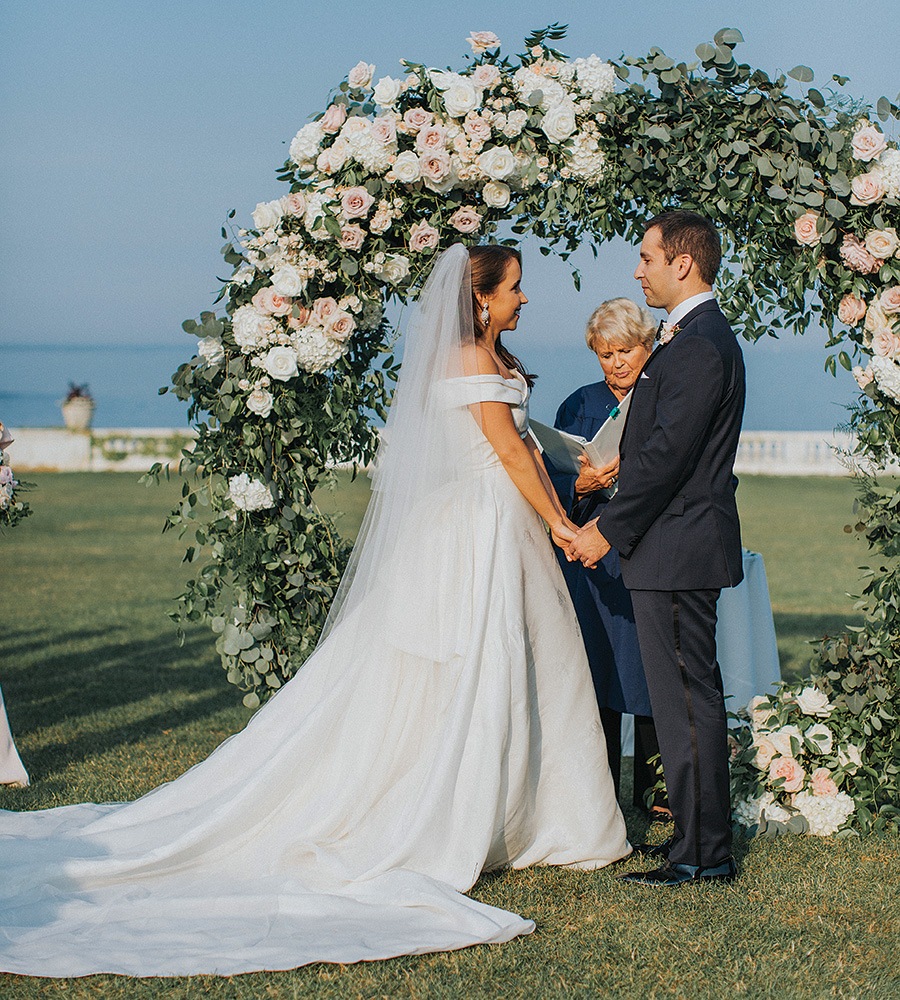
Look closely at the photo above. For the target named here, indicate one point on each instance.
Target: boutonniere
(667, 331)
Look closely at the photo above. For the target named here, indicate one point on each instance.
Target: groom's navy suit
(675, 524)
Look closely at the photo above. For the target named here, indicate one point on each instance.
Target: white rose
(260, 402)
(281, 363)
(386, 91)
(460, 99)
(821, 736)
(288, 281)
(559, 122)
(781, 740)
(498, 162)
(495, 194)
(394, 269)
(406, 167)
(812, 701)
(211, 350)
(267, 214)
(850, 758)
(882, 243)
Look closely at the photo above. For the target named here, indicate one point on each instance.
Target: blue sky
(130, 129)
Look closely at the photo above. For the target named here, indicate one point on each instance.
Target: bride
(444, 726)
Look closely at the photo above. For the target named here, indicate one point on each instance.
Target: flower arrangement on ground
(12, 507)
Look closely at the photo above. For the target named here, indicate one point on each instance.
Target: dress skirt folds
(445, 727)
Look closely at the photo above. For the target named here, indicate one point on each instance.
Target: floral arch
(806, 191)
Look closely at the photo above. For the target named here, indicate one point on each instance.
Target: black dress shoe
(670, 874)
(660, 850)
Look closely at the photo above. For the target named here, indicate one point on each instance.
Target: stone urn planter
(78, 408)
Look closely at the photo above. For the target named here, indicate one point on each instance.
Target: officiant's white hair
(622, 323)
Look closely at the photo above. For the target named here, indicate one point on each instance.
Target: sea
(787, 386)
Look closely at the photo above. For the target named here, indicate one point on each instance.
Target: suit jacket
(674, 518)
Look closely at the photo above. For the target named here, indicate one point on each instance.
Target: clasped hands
(585, 545)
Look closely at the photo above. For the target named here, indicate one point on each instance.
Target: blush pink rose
(882, 243)
(334, 118)
(361, 75)
(6, 475)
(324, 309)
(856, 257)
(384, 130)
(352, 237)
(890, 300)
(477, 128)
(268, 301)
(790, 770)
(299, 317)
(430, 138)
(863, 376)
(356, 202)
(481, 41)
(851, 310)
(423, 236)
(486, 76)
(867, 189)
(417, 118)
(822, 783)
(884, 343)
(435, 166)
(868, 143)
(294, 204)
(341, 325)
(805, 230)
(465, 219)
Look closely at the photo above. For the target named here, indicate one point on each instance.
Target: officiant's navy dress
(602, 603)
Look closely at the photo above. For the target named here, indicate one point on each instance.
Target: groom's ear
(684, 262)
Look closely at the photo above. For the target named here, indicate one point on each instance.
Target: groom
(675, 523)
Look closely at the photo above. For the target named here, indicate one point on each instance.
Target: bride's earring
(485, 314)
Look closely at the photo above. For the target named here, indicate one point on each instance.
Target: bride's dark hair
(489, 265)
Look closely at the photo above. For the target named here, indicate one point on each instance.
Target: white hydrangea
(826, 814)
(315, 350)
(753, 812)
(595, 78)
(306, 144)
(586, 159)
(251, 327)
(887, 376)
(369, 151)
(888, 167)
(526, 82)
(249, 494)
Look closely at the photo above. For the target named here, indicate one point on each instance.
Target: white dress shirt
(683, 308)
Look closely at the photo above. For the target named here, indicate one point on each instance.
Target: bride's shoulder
(478, 360)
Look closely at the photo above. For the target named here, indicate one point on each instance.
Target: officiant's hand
(588, 546)
(591, 479)
(563, 532)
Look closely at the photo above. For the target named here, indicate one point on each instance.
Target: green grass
(105, 705)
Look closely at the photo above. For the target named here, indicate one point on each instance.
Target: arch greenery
(802, 182)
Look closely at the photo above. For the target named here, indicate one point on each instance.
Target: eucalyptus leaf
(802, 74)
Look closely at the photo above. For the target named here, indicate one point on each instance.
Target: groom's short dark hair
(686, 232)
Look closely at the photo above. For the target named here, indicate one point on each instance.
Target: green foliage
(711, 134)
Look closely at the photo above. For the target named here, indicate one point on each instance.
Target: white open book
(565, 449)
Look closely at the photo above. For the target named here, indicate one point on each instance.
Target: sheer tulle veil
(426, 463)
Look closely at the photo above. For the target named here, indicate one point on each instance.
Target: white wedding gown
(444, 727)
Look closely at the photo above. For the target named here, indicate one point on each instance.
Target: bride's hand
(563, 532)
(590, 479)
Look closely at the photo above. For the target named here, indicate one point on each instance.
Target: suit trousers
(677, 636)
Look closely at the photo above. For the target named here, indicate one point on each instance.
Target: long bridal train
(446, 725)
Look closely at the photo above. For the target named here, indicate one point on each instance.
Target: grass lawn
(105, 705)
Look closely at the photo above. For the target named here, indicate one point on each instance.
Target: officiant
(621, 334)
